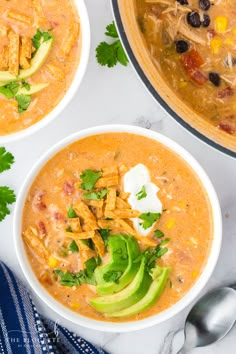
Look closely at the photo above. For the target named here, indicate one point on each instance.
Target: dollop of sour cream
(136, 179)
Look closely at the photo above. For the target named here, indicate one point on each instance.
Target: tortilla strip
(75, 225)
(109, 171)
(81, 235)
(107, 182)
(111, 199)
(99, 213)
(70, 39)
(117, 224)
(35, 243)
(124, 195)
(3, 30)
(94, 203)
(55, 72)
(19, 17)
(39, 12)
(85, 252)
(25, 52)
(14, 47)
(98, 241)
(87, 216)
(121, 204)
(122, 214)
(4, 58)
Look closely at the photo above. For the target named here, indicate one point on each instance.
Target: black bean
(204, 4)
(214, 79)
(182, 2)
(206, 20)
(181, 46)
(193, 18)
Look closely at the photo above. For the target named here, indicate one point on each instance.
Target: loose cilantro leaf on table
(89, 179)
(111, 31)
(85, 276)
(6, 160)
(96, 195)
(109, 54)
(141, 194)
(149, 219)
(7, 197)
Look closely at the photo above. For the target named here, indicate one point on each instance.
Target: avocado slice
(35, 64)
(126, 297)
(106, 288)
(160, 277)
(118, 258)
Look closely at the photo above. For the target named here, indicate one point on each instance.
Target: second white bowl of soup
(117, 228)
(43, 57)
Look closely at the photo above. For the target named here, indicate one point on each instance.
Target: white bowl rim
(70, 93)
(132, 325)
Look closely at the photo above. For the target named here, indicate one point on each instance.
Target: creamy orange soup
(66, 209)
(39, 54)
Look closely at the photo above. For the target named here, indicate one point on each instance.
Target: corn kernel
(183, 84)
(170, 223)
(52, 262)
(195, 274)
(74, 305)
(215, 44)
(221, 24)
(234, 31)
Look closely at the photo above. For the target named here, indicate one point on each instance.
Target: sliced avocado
(33, 89)
(105, 288)
(154, 292)
(126, 297)
(118, 258)
(35, 64)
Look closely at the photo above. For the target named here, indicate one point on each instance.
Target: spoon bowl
(210, 319)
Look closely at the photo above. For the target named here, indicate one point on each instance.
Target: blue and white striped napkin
(24, 331)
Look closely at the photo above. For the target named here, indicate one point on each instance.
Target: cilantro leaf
(111, 30)
(71, 213)
(158, 233)
(6, 159)
(121, 55)
(149, 219)
(10, 90)
(83, 276)
(25, 84)
(7, 196)
(112, 276)
(151, 256)
(69, 229)
(96, 195)
(106, 54)
(164, 242)
(23, 102)
(141, 194)
(39, 37)
(74, 247)
(105, 233)
(89, 179)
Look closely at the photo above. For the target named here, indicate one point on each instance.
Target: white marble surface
(117, 96)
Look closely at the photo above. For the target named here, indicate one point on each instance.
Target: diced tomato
(191, 60)
(228, 124)
(68, 187)
(226, 92)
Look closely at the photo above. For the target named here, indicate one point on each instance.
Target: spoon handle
(182, 351)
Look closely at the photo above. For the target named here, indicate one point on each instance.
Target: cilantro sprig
(112, 276)
(7, 195)
(96, 195)
(10, 91)
(85, 276)
(110, 54)
(89, 179)
(40, 37)
(142, 193)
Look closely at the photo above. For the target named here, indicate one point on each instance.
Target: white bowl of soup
(44, 53)
(184, 53)
(117, 228)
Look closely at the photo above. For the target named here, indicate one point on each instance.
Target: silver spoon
(210, 319)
